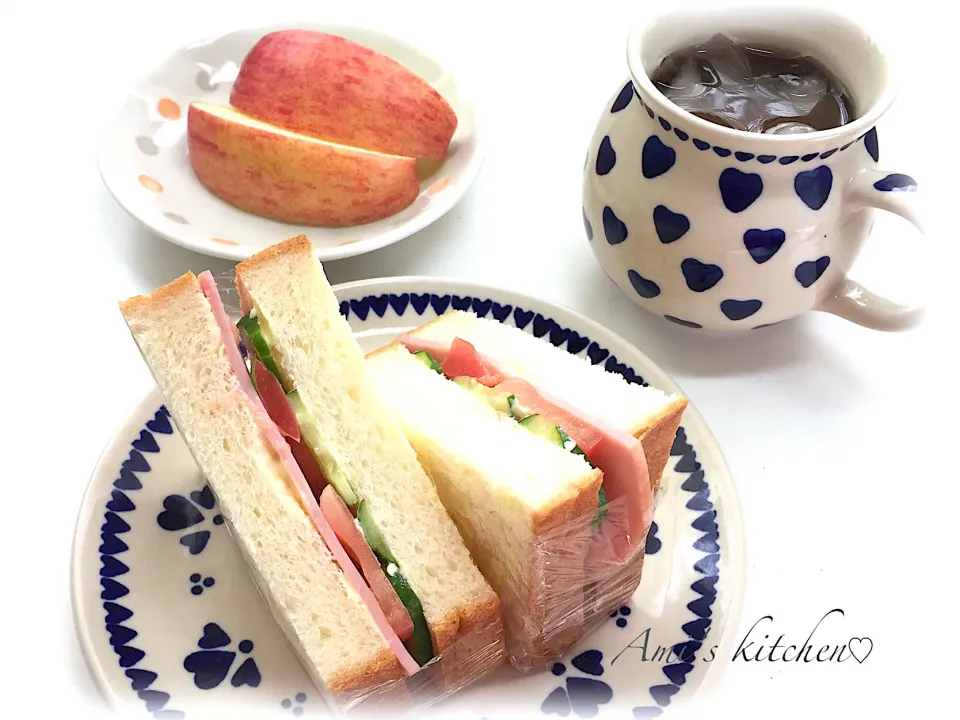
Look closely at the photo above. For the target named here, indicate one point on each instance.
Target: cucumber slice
(501, 402)
(250, 326)
(321, 451)
(420, 644)
(570, 445)
(372, 533)
(427, 359)
(601, 510)
(548, 431)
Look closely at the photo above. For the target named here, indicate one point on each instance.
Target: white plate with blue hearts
(169, 619)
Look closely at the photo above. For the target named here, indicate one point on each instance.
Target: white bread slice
(506, 488)
(323, 617)
(316, 352)
(645, 412)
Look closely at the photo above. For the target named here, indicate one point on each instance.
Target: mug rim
(858, 127)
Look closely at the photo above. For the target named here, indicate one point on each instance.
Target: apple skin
(282, 176)
(331, 88)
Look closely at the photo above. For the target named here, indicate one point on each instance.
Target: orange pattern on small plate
(351, 241)
(223, 241)
(438, 186)
(168, 108)
(150, 184)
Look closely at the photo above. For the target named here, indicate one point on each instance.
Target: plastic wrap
(471, 656)
(573, 580)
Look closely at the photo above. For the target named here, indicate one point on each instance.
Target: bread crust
(138, 305)
(657, 439)
(291, 247)
(379, 669)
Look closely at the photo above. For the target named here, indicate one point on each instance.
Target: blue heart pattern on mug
(807, 273)
(656, 158)
(740, 309)
(614, 229)
(670, 226)
(813, 186)
(763, 244)
(606, 156)
(895, 182)
(645, 288)
(739, 190)
(623, 99)
(700, 276)
(872, 144)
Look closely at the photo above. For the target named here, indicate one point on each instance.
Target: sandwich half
(328, 612)
(550, 468)
(343, 532)
(304, 348)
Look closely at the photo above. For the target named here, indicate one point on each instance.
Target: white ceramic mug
(716, 228)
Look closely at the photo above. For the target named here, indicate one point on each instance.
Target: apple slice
(280, 175)
(332, 88)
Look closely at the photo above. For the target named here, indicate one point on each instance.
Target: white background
(840, 439)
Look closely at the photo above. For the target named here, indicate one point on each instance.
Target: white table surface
(837, 436)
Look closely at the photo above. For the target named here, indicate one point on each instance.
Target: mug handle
(896, 193)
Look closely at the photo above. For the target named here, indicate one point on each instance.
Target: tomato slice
(275, 400)
(463, 360)
(308, 466)
(341, 520)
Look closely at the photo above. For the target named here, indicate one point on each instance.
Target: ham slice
(616, 452)
(302, 488)
(357, 547)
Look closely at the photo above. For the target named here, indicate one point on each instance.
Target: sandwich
(343, 531)
(550, 470)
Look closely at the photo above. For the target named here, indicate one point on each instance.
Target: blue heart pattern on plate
(211, 664)
(179, 514)
(582, 696)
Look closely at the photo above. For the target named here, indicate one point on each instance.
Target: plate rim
(737, 569)
(438, 208)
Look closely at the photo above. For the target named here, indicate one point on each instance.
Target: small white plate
(144, 162)
(154, 571)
